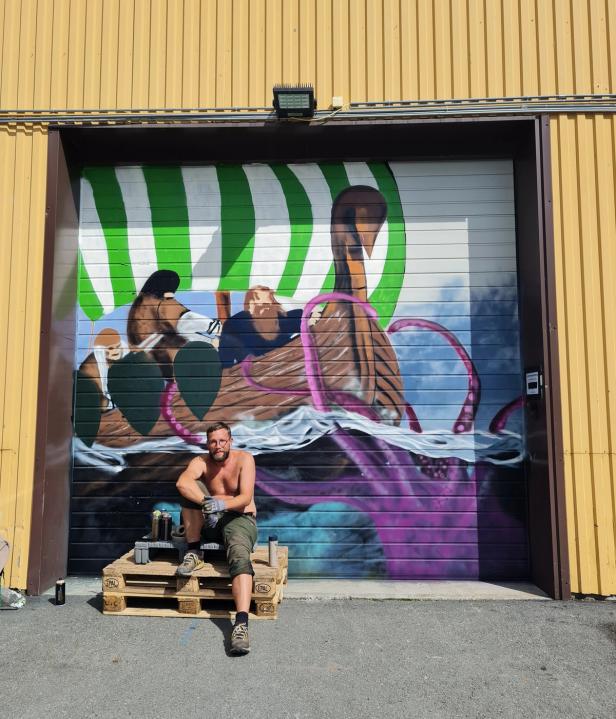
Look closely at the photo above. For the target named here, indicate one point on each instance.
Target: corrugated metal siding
(23, 155)
(218, 53)
(583, 165)
(61, 54)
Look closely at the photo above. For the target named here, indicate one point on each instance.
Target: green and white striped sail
(228, 227)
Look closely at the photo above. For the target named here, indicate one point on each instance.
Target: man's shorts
(237, 532)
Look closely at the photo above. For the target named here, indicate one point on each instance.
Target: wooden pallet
(154, 589)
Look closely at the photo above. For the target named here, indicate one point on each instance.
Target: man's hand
(211, 505)
(212, 509)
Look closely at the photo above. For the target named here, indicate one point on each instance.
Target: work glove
(212, 511)
(211, 505)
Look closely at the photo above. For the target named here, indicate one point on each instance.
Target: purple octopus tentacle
(167, 413)
(362, 460)
(277, 488)
(367, 461)
(360, 407)
(396, 462)
(466, 418)
(499, 422)
(414, 425)
(385, 496)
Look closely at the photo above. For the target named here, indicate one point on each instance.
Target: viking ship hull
(355, 360)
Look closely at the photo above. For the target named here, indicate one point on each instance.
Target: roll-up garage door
(356, 325)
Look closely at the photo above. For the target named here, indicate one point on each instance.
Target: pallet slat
(169, 613)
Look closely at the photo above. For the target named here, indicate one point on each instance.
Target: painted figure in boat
(262, 325)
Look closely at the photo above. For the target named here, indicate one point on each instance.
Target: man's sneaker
(191, 562)
(239, 639)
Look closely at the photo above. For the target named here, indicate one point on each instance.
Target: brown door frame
(51, 486)
(523, 137)
(556, 470)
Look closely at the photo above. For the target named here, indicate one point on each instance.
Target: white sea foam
(305, 425)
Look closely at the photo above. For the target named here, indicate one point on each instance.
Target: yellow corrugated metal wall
(105, 54)
(23, 158)
(584, 191)
(219, 53)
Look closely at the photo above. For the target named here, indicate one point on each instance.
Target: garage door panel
(444, 168)
(429, 569)
(370, 411)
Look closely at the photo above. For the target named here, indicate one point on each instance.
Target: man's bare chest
(221, 481)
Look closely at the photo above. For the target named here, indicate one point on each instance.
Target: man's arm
(186, 484)
(246, 485)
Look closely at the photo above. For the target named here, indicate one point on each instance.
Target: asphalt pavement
(320, 658)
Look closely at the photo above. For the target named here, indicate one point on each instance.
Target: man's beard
(223, 458)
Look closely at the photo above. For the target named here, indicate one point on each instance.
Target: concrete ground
(321, 658)
(368, 589)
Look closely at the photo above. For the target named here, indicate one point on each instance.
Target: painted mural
(355, 323)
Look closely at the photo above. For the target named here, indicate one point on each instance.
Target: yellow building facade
(104, 57)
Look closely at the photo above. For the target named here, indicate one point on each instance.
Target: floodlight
(294, 101)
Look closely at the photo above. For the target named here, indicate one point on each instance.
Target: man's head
(219, 441)
(260, 297)
(265, 309)
(161, 283)
(111, 341)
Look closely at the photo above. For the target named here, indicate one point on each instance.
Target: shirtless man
(218, 503)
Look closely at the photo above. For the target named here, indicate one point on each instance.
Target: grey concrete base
(322, 589)
(389, 589)
(80, 587)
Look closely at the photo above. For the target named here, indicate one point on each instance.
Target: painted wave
(300, 428)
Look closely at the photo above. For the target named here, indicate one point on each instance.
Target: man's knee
(238, 556)
(241, 566)
(240, 535)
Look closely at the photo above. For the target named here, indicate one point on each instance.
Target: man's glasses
(218, 442)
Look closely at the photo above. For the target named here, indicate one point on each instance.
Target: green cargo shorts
(237, 532)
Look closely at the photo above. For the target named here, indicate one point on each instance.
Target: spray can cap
(273, 538)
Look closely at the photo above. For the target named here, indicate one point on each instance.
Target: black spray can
(60, 592)
(155, 525)
(164, 532)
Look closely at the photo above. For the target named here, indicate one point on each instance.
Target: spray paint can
(273, 550)
(165, 527)
(155, 525)
(60, 592)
